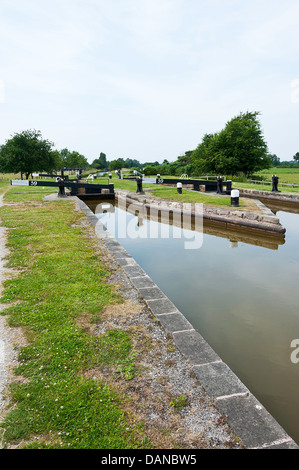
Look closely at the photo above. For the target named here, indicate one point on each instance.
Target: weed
(179, 402)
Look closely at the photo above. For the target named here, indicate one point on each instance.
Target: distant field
(9, 176)
(286, 175)
(266, 187)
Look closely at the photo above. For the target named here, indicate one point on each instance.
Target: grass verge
(193, 197)
(266, 187)
(61, 278)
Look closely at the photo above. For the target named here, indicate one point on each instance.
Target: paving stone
(149, 293)
(143, 281)
(283, 445)
(174, 322)
(161, 306)
(121, 254)
(134, 271)
(195, 348)
(128, 261)
(113, 245)
(219, 380)
(251, 421)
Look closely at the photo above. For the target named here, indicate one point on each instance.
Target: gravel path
(10, 338)
(7, 353)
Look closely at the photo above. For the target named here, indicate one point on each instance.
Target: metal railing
(293, 185)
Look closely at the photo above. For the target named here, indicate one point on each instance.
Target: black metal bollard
(234, 199)
(219, 184)
(275, 183)
(61, 190)
(139, 185)
(179, 187)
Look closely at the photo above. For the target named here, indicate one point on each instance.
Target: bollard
(275, 183)
(61, 189)
(179, 188)
(219, 184)
(139, 185)
(110, 176)
(234, 198)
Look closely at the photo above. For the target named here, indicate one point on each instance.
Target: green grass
(285, 175)
(192, 197)
(266, 187)
(3, 186)
(61, 279)
(127, 184)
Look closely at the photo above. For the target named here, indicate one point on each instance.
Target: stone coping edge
(264, 221)
(275, 196)
(246, 416)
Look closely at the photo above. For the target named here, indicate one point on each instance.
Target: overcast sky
(146, 79)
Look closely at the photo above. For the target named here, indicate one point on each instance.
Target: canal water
(240, 292)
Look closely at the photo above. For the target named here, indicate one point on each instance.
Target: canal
(239, 291)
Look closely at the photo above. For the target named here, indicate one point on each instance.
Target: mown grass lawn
(286, 175)
(192, 197)
(61, 277)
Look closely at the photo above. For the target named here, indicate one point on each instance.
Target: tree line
(239, 148)
(28, 152)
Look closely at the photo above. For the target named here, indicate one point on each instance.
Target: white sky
(146, 79)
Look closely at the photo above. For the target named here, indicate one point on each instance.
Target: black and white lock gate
(209, 185)
(84, 190)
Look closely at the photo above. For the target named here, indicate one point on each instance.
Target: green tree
(239, 147)
(205, 155)
(296, 157)
(131, 163)
(76, 159)
(64, 153)
(274, 159)
(58, 161)
(117, 164)
(72, 159)
(100, 163)
(26, 152)
(103, 161)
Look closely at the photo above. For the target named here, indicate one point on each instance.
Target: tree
(75, 160)
(239, 147)
(103, 161)
(64, 153)
(58, 161)
(296, 157)
(72, 159)
(275, 160)
(100, 163)
(117, 164)
(131, 163)
(27, 152)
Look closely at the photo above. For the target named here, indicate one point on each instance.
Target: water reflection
(240, 291)
(218, 229)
